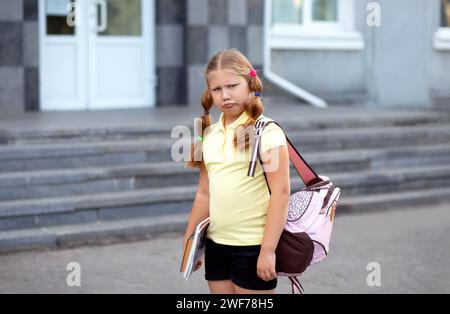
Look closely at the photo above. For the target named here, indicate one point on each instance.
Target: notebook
(195, 247)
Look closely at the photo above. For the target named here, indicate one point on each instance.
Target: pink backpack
(306, 236)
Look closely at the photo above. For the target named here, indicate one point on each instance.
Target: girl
(246, 219)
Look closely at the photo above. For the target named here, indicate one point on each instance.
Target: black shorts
(238, 263)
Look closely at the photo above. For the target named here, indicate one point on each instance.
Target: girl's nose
(225, 95)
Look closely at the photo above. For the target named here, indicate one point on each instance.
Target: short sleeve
(272, 136)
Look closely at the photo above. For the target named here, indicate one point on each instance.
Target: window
(124, 18)
(56, 15)
(304, 12)
(313, 24)
(442, 36)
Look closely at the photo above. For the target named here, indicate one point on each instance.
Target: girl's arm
(276, 163)
(200, 207)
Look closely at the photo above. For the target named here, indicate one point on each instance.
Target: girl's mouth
(228, 106)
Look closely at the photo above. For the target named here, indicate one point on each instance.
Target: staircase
(85, 187)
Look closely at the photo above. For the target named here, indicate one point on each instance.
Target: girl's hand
(199, 264)
(266, 265)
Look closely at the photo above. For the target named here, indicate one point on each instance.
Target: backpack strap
(306, 173)
(296, 286)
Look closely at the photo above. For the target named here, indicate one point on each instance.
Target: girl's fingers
(270, 275)
(261, 274)
(273, 273)
(199, 264)
(267, 275)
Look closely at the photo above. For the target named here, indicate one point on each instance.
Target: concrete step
(385, 201)
(352, 166)
(53, 183)
(125, 152)
(48, 183)
(61, 182)
(101, 232)
(64, 156)
(64, 135)
(105, 232)
(65, 210)
(344, 118)
(378, 181)
(53, 211)
(370, 137)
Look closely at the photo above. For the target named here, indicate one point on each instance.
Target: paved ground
(410, 245)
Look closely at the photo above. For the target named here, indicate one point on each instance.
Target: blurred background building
(123, 54)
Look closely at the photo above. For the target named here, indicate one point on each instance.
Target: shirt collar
(239, 121)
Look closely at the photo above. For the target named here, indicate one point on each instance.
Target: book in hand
(195, 247)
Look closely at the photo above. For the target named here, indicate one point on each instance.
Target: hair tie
(257, 94)
(253, 73)
(206, 112)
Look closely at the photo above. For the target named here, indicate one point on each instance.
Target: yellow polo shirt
(238, 203)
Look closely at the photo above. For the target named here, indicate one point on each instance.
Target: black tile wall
(31, 89)
(172, 88)
(11, 43)
(238, 38)
(218, 12)
(30, 10)
(255, 12)
(171, 11)
(197, 44)
(172, 85)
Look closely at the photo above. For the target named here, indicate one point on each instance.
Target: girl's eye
(230, 86)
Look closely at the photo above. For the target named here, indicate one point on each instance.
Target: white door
(96, 54)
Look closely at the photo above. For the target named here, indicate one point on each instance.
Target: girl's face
(230, 92)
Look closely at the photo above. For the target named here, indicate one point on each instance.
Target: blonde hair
(232, 60)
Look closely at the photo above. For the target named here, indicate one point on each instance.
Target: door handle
(103, 26)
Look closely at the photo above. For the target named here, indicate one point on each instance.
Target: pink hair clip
(253, 73)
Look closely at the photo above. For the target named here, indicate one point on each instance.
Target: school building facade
(61, 55)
